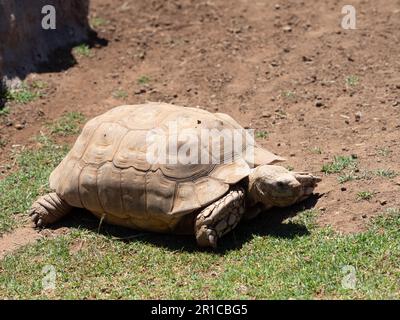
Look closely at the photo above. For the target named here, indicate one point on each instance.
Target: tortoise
(108, 172)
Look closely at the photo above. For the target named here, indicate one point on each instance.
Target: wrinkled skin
(277, 186)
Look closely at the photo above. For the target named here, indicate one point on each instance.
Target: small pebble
(343, 188)
(287, 29)
(140, 91)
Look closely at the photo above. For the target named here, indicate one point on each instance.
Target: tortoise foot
(48, 209)
(219, 218)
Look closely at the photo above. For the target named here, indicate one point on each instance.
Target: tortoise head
(277, 186)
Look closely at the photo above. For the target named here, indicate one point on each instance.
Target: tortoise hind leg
(48, 209)
(219, 218)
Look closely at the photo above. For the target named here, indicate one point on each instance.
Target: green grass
(316, 150)
(365, 195)
(386, 173)
(120, 94)
(339, 163)
(260, 259)
(82, 50)
(96, 22)
(352, 80)
(39, 84)
(262, 134)
(68, 124)
(295, 260)
(19, 189)
(4, 111)
(287, 94)
(3, 142)
(24, 94)
(143, 80)
(350, 175)
(383, 152)
(346, 177)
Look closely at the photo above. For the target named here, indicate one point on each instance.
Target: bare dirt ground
(21, 237)
(290, 70)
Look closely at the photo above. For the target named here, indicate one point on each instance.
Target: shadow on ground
(62, 59)
(269, 223)
(58, 61)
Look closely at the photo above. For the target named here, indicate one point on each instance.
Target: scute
(207, 189)
(184, 172)
(186, 198)
(231, 173)
(88, 191)
(104, 143)
(160, 193)
(109, 189)
(133, 191)
(132, 151)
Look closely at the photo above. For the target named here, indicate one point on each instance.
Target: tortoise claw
(34, 217)
(39, 223)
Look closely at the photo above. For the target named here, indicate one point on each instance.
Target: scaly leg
(219, 218)
(48, 209)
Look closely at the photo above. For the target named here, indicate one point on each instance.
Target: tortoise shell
(108, 173)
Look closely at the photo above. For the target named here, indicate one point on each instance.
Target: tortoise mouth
(285, 196)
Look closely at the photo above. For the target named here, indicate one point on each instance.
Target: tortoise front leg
(219, 218)
(48, 209)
